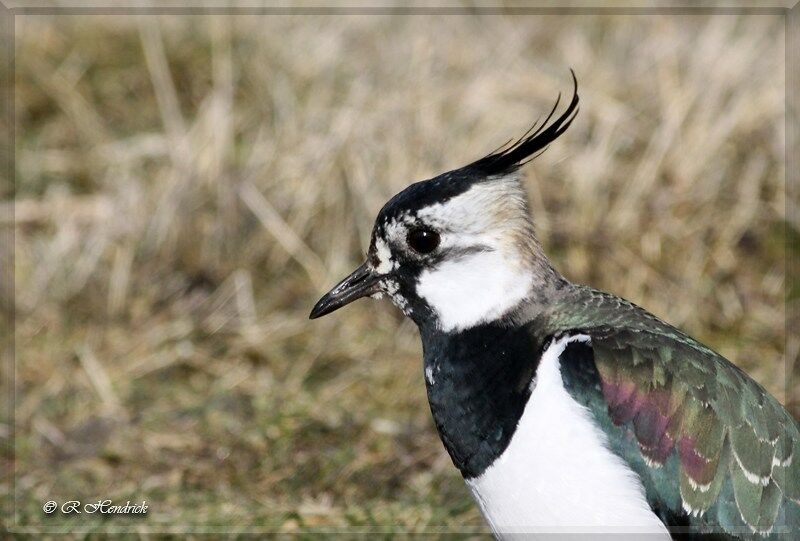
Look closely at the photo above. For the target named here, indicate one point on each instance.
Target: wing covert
(710, 444)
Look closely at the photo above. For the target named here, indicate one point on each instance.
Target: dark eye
(423, 240)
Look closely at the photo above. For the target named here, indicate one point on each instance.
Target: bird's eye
(423, 240)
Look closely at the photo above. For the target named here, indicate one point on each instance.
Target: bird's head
(459, 249)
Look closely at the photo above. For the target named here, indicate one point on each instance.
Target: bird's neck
(484, 286)
(478, 383)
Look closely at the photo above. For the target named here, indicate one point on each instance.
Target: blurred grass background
(187, 186)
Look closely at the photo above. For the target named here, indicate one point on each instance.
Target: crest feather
(507, 160)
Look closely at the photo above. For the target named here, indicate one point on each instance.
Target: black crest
(503, 161)
(510, 158)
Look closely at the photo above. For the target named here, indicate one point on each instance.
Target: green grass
(186, 188)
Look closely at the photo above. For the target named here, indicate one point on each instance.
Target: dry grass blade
(284, 234)
(101, 383)
(165, 92)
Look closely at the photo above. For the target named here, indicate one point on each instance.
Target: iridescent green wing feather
(715, 451)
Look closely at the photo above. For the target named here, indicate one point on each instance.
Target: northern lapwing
(565, 408)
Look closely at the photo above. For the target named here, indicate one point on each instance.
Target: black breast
(478, 383)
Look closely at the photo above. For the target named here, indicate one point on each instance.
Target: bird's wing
(715, 451)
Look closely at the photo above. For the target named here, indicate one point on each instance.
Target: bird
(567, 409)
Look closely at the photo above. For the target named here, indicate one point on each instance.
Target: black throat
(479, 381)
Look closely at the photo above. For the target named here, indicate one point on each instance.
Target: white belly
(557, 474)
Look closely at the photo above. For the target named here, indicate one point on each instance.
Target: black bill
(361, 283)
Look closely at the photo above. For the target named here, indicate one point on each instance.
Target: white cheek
(387, 264)
(473, 289)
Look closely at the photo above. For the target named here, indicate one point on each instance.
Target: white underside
(558, 475)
